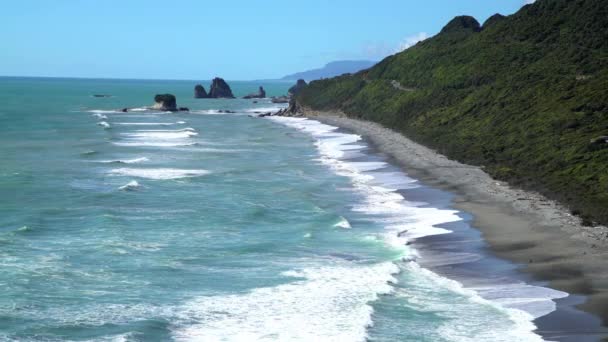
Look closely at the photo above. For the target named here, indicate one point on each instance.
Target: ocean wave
(125, 161)
(320, 304)
(145, 123)
(100, 116)
(265, 109)
(155, 144)
(158, 174)
(132, 185)
(103, 111)
(343, 223)
(104, 124)
(471, 316)
(160, 135)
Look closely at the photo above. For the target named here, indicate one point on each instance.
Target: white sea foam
(209, 112)
(100, 116)
(405, 221)
(264, 109)
(104, 124)
(145, 123)
(154, 143)
(160, 135)
(125, 161)
(467, 316)
(132, 185)
(103, 111)
(321, 304)
(343, 223)
(159, 174)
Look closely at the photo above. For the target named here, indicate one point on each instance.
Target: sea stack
(220, 89)
(259, 95)
(295, 90)
(165, 102)
(200, 92)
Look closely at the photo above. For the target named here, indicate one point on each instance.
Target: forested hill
(526, 96)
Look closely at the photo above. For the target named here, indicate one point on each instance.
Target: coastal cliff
(525, 96)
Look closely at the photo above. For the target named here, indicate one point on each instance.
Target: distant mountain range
(332, 69)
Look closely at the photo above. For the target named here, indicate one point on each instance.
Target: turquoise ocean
(208, 226)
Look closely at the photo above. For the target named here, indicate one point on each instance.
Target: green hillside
(522, 95)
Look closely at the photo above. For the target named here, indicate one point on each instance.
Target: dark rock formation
(280, 99)
(259, 95)
(200, 92)
(295, 90)
(463, 23)
(220, 89)
(493, 20)
(183, 109)
(165, 102)
(294, 109)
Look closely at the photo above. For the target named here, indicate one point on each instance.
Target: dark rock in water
(166, 102)
(220, 89)
(294, 109)
(200, 92)
(280, 99)
(101, 95)
(124, 110)
(226, 111)
(255, 101)
(183, 109)
(295, 90)
(463, 23)
(493, 20)
(259, 95)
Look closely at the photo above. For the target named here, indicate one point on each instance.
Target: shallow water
(217, 227)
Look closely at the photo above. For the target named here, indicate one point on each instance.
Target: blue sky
(198, 39)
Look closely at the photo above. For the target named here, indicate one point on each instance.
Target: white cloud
(379, 49)
(529, 1)
(410, 41)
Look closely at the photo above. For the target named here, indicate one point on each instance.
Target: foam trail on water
(125, 161)
(158, 174)
(132, 185)
(100, 116)
(104, 124)
(145, 123)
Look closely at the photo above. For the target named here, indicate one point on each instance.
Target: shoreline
(543, 240)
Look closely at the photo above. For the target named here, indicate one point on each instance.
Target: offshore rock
(200, 92)
(165, 102)
(220, 89)
(259, 95)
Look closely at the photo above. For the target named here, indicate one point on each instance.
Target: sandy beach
(524, 227)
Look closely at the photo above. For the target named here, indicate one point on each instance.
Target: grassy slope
(523, 97)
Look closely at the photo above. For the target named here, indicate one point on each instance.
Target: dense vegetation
(523, 95)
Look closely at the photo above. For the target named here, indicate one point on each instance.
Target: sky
(202, 39)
